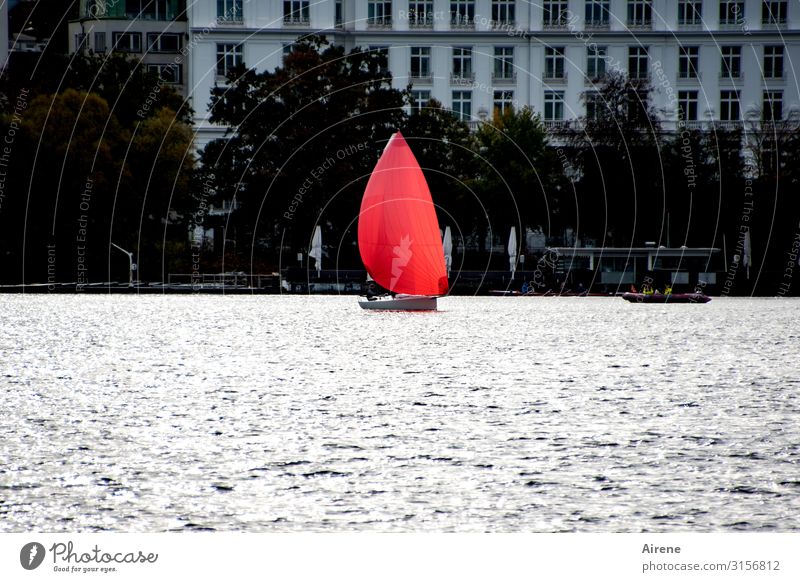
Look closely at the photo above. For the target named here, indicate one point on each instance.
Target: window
(229, 11)
(295, 12)
(462, 105)
(773, 12)
(773, 62)
(687, 105)
(553, 105)
(687, 62)
(169, 73)
(729, 109)
(129, 42)
(419, 100)
(690, 12)
(554, 63)
(555, 13)
(462, 14)
(420, 14)
(379, 13)
(338, 13)
(597, 12)
(637, 62)
(99, 42)
(731, 12)
(229, 56)
(504, 62)
(596, 62)
(148, 9)
(640, 12)
(503, 101)
(773, 106)
(731, 62)
(503, 12)
(594, 106)
(462, 62)
(420, 62)
(163, 43)
(81, 42)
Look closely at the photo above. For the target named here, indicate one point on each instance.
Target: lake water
(280, 414)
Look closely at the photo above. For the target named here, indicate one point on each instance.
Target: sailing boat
(398, 233)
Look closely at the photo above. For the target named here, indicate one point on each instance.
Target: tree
(443, 146)
(616, 150)
(520, 177)
(305, 138)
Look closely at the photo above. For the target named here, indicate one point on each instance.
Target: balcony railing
(461, 21)
(728, 125)
(693, 124)
(690, 24)
(504, 78)
(298, 21)
(597, 24)
(556, 124)
(684, 76)
(379, 22)
(555, 76)
(467, 78)
(232, 19)
(503, 24)
(594, 79)
(773, 23)
(641, 24)
(554, 24)
(421, 77)
(421, 21)
(731, 75)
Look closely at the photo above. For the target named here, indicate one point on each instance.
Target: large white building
(715, 59)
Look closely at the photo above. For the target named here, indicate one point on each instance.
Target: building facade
(723, 60)
(152, 31)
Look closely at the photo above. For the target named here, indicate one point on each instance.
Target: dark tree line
(304, 139)
(92, 155)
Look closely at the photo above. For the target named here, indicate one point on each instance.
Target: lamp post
(131, 264)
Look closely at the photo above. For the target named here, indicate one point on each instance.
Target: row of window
(555, 13)
(554, 107)
(597, 58)
(139, 9)
(131, 42)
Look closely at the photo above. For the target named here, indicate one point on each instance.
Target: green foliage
(519, 177)
(306, 138)
(443, 146)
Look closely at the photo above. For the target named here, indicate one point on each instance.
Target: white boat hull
(400, 303)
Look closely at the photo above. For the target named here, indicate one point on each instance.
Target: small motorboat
(666, 297)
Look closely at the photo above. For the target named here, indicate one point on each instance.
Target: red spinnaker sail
(398, 234)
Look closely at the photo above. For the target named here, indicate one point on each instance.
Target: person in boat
(667, 289)
(372, 292)
(633, 289)
(647, 289)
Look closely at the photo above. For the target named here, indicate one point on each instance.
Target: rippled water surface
(285, 414)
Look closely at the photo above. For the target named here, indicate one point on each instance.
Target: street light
(131, 264)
